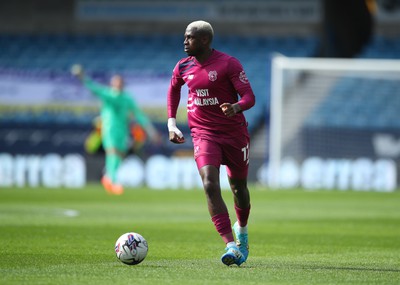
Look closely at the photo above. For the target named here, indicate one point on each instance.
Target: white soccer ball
(131, 248)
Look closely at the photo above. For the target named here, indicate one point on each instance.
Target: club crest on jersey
(212, 75)
(243, 77)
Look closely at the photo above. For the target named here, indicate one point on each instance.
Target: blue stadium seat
(342, 105)
(359, 103)
(144, 53)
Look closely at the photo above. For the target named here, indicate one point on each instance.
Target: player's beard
(191, 51)
(188, 51)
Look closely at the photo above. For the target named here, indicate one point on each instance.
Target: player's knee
(211, 187)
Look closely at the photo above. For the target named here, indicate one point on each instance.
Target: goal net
(335, 124)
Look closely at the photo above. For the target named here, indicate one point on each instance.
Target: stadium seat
(154, 53)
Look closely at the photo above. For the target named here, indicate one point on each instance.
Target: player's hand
(77, 71)
(229, 109)
(175, 135)
(175, 138)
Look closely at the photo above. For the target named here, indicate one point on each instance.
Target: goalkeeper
(118, 108)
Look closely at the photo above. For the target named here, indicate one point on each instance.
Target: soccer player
(219, 92)
(118, 108)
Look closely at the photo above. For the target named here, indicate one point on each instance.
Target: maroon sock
(242, 215)
(222, 224)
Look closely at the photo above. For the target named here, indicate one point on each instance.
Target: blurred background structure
(44, 110)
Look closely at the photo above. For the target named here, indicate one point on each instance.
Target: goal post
(330, 120)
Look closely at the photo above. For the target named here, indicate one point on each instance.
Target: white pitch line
(70, 213)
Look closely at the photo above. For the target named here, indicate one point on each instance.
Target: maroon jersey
(220, 79)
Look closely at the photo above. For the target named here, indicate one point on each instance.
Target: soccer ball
(131, 248)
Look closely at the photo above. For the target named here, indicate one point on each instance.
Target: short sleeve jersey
(220, 79)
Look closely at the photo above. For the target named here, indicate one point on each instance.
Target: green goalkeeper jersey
(117, 110)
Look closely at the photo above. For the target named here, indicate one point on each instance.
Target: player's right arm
(173, 98)
(97, 89)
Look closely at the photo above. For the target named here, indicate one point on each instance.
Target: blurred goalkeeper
(219, 92)
(118, 108)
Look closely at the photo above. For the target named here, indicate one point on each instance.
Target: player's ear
(206, 40)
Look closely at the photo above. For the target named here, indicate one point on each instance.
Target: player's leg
(216, 205)
(115, 145)
(219, 214)
(241, 197)
(208, 158)
(242, 208)
(236, 157)
(113, 162)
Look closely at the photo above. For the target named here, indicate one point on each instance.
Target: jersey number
(245, 151)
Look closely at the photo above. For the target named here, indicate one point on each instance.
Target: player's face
(193, 44)
(117, 82)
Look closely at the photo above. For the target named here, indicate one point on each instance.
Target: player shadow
(320, 267)
(271, 266)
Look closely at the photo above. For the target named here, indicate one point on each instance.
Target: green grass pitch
(61, 236)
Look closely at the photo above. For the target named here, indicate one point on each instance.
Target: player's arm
(97, 89)
(241, 83)
(173, 98)
(144, 121)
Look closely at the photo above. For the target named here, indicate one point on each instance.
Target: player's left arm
(242, 86)
(144, 121)
(173, 98)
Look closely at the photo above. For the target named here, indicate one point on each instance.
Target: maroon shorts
(232, 152)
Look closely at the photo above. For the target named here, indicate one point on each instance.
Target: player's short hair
(202, 27)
